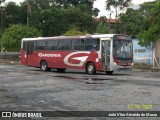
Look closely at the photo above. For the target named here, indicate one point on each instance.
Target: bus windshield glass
(123, 49)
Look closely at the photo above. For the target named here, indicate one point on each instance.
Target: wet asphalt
(26, 88)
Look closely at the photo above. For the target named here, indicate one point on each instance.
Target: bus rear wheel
(91, 68)
(61, 70)
(44, 66)
(109, 72)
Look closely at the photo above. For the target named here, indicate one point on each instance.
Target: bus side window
(68, 44)
(24, 45)
(60, 45)
(92, 44)
(52, 45)
(78, 44)
(41, 45)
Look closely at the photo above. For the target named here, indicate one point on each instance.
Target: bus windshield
(123, 49)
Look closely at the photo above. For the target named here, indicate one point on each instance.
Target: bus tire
(44, 66)
(91, 68)
(61, 70)
(109, 72)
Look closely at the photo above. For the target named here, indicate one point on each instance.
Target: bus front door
(105, 53)
(30, 50)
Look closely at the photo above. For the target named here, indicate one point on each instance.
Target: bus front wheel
(91, 68)
(44, 66)
(109, 72)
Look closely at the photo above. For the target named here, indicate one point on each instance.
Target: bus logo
(48, 55)
(82, 59)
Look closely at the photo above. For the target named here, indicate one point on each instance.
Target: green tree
(1, 16)
(51, 21)
(12, 14)
(56, 21)
(131, 22)
(102, 26)
(142, 23)
(1, 1)
(74, 32)
(50, 18)
(69, 3)
(151, 32)
(13, 35)
(79, 19)
(86, 6)
(117, 4)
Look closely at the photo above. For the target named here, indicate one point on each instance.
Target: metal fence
(9, 57)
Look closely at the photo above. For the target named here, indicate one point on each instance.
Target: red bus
(106, 52)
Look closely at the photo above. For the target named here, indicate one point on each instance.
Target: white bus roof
(70, 37)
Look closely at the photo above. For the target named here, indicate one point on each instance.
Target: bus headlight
(115, 63)
(131, 64)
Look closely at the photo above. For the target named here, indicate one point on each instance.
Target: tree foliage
(152, 31)
(74, 31)
(14, 34)
(131, 22)
(102, 26)
(117, 4)
(51, 17)
(1, 1)
(12, 14)
(143, 22)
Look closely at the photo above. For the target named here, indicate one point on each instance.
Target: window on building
(136, 50)
(139, 50)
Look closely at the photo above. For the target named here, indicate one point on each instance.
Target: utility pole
(110, 20)
(1, 19)
(1, 10)
(28, 12)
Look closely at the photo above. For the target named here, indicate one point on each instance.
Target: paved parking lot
(25, 88)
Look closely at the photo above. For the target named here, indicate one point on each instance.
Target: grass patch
(141, 66)
(145, 67)
(13, 49)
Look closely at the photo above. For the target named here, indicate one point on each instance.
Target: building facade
(142, 54)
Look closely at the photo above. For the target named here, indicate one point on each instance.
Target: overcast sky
(100, 4)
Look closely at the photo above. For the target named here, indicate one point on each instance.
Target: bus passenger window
(24, 45)
(41, 45)
(52, 45)
(78, 44)
(92, 44)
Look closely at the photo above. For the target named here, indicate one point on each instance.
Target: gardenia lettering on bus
(48, 55)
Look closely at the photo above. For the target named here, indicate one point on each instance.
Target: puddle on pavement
(33, 72)
(86, 80)
(66, 77)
